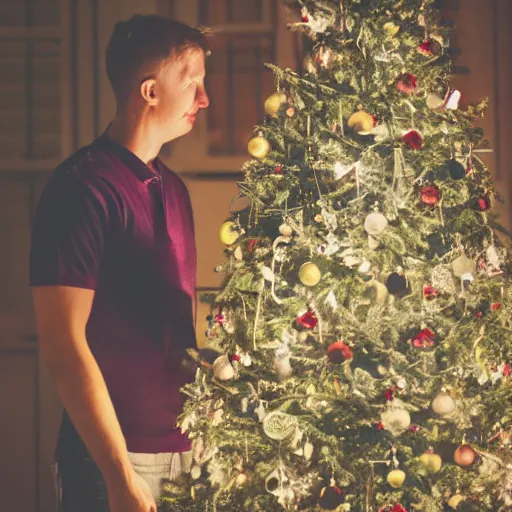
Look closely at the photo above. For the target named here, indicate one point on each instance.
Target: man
(113, 270)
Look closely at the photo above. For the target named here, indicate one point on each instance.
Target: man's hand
(132, 498)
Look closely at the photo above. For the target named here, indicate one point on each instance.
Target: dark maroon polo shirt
(107, 222)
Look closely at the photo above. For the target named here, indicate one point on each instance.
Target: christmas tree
(359, 351)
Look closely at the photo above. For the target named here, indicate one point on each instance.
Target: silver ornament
(279, 426)
(443, 404)
(396, 419)
(442, 279)
(195, 472)
(285, 230)
(375, 223)
(223, 369)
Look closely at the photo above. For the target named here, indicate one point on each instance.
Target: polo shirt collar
(131, 160)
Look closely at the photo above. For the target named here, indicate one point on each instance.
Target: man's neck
(134, 134)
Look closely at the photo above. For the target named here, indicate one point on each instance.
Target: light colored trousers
(157, 467)
(153, 468)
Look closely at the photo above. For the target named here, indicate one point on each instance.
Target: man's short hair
(142, 44)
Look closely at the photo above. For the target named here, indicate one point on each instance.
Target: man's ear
(148, 92)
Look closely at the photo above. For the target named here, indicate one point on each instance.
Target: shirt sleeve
(68, 234)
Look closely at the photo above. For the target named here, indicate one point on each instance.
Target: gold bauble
(309, 274)
(361, 122)
(432, 462)
(228, 233)
(391, 28)
(258, 147)
(273, 103)
(456, 500)
(396, 478)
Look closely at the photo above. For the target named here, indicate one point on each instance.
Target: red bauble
(424, 339)
(429, 292)
(495, 306)
(407, 83)
(252, 244)
(483, 204)
(507, 369)
(414, 428)
(430, 195)
(464, 456)
(380, 426)
(413, 139)
(308, 320)
(426, 48)
(338, 352)
(394, 508)
(278, 169)
(390, 393)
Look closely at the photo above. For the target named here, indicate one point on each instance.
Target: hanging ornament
(273, 103)
(278, 484)
(396, 478)
(434, 101)
(483, 204)
(308, 320)
(462, 266)
(391, 29)
(456, 170)
(429, 292)
(452, 99)
(229, 233)
(464, 456)
(330, 498)
(413, 139)
(430, 195)
(396, 419)
(223, 369)
(455, 501)
(375, 223)
(397, 283)
(424, 339)
(309, 274)
(443, 404)
(362, 122)
(431, 461)
(286, 230)
(195, 472)
(259, 147)
(282, 363)
(304, 15)
(341, 170)
(407, 83)
(339, 352)
(394, 508)
(325, 57)
(429, 48)
(280, 426)
(241, 479)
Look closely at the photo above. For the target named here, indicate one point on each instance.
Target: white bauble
(223, 369)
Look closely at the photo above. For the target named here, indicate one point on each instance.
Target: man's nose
(202, 99)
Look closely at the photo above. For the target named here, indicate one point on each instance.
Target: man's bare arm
(62, 313)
